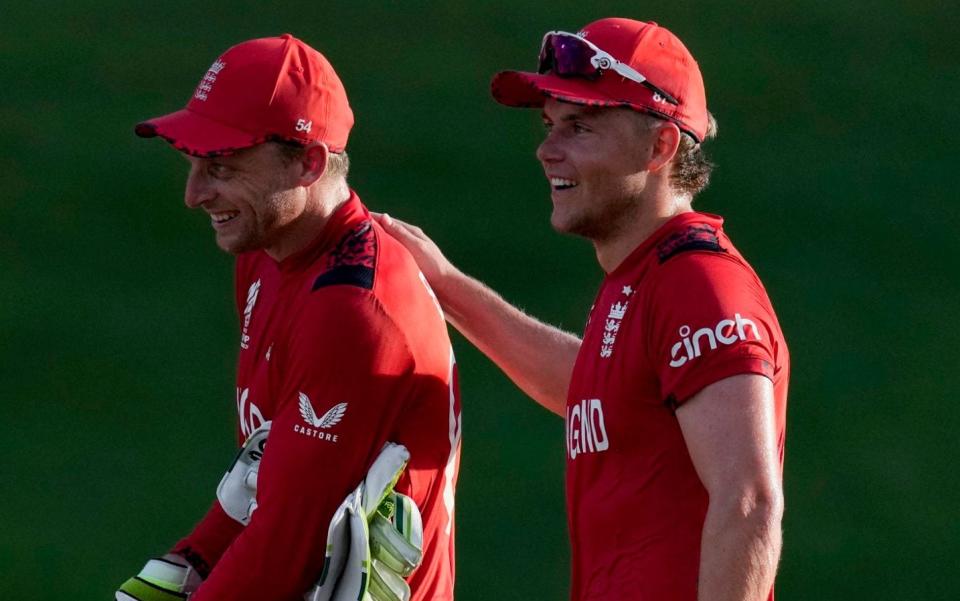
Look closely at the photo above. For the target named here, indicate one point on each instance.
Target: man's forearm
(538, 357)
(740, 550)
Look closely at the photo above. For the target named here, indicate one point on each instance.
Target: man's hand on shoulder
(431, 260)
(538, 357)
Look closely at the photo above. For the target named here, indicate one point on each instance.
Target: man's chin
(581, 228)
(566, 224)
(232, 245)
(558, 222)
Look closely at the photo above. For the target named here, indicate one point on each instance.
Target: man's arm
(538, 357)
(730, 431)
(347, 376)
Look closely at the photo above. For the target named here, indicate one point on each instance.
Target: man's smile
(223, 217)
(560, 183)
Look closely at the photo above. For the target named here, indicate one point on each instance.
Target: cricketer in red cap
(675, 398)
(265, 89)
(341, 345)
(671, 86)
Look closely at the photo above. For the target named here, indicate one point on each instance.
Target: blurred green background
(117, 333)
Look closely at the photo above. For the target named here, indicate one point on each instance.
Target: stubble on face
(255, 185)
(602, 149)
(598, 221)
(268, 211)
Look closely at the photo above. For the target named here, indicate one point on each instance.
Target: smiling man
(335, 321)
(675, 398)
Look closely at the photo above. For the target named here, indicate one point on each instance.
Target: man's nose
(549, 151)
(198, 189)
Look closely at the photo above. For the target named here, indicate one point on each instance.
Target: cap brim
(530, 90)
(525, 89)
(194, 134)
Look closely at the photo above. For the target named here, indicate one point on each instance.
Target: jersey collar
(345, 218)
(660, 234)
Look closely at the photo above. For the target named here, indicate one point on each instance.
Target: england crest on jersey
(252, 295)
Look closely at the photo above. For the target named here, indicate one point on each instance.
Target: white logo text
(586, 430)
(726, 332)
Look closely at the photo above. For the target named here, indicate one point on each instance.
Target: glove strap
(137, 589)
(167, 578)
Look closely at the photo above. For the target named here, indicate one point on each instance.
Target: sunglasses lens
(546, 56)
(567, 56)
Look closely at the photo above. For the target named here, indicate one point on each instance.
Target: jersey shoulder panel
(708, 317)
(353, 261)
(694, 266)
(703, 286)
(695, 237)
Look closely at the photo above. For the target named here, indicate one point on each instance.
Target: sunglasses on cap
(569, 55)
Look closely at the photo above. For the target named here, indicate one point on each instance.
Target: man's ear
(666, 141)
(314, 163)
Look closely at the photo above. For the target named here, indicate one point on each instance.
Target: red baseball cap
(645, 48)
(275, 88)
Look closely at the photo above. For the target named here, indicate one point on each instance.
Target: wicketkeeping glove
(375, 538)
(396, 547)
(167, 578)
(237, 491)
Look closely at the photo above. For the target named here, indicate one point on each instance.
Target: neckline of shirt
(348, 214)
(658, 235)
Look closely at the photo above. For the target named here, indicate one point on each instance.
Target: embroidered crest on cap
(209, 78)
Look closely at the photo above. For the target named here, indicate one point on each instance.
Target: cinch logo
(726, 332)
(586, 430)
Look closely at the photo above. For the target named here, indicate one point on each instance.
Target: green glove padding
(167, 578)
(375, 538)
(396, 534)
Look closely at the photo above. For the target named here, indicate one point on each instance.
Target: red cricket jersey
(343, 347)
(683, 311)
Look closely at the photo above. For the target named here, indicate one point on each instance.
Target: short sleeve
(708, 318)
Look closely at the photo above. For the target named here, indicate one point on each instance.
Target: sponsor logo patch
(316, 425)
(727, 332)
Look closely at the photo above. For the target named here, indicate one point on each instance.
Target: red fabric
(383, 351)
(260, 89)
(646, 47)
(635, 504)
(211, 537)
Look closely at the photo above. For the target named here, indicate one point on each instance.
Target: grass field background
(836, 158)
